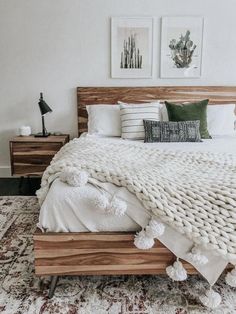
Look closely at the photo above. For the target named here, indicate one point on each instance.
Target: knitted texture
(193, 192)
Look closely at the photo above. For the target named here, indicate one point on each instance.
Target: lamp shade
(43, 106)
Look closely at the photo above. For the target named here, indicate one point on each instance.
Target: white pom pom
(155, 229)
(101, 203)
(74, 177)
(142, 241)
(117, 207)
(197, 257)
(177, 272)
(64, 173)
(231, 278)
(211, 299)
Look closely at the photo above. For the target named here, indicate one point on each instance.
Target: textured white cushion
(104, 120)
(132, 116)
(221, 119)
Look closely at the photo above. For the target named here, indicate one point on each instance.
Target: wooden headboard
(110, 95)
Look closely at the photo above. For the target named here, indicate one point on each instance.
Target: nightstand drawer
(36, 159)
(25, 169)
(35, 147)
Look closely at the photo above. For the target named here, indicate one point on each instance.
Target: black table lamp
(44, 108)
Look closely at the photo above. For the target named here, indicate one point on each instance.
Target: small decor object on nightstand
(25, 130)
(44, 108)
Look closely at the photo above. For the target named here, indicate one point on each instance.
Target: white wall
(56, 45)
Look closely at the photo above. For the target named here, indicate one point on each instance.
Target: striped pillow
(132, 116)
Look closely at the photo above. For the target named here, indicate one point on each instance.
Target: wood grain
(50, 139)
(98, 254)
(31, 156)
(111, 95)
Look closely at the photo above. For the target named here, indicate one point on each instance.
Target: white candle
(25, 130)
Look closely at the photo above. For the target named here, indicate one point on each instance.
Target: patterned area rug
(21, 292)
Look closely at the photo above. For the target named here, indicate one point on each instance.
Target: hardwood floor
(14, 186)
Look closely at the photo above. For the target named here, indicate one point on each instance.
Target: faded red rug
(21, 292)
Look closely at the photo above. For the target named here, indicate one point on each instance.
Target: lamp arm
(43, 126)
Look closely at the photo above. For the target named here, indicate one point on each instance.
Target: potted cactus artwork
(181, 46)
(131, 57)
(131, 47)
(182, 50)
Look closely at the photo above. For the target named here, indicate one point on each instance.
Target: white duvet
(69, 209)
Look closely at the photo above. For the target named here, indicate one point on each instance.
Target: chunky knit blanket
(193, 192)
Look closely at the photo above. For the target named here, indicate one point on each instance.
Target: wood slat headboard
(110, 95)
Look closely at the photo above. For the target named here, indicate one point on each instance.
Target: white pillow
(164, 113)
(221, 119)
(104, 120)
(132, 116)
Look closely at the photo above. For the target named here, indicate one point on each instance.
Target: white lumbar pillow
(104, 120)
(132, 116)
(221, 119)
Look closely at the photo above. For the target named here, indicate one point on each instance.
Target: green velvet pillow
(190, 112)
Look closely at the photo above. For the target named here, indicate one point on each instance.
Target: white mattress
(70, 209)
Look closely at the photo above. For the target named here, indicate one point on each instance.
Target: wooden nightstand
(31, 155)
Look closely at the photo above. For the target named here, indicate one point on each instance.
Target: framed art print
(181, 47)
(131, 47)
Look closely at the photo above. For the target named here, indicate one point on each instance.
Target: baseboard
(5, 171)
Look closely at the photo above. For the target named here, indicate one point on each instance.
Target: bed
(79, 248)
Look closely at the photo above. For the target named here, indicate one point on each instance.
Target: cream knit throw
(193, 192)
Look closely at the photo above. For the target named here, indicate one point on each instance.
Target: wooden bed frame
(114, 253)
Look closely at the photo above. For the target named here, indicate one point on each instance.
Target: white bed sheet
(70, 209)
(218, 144)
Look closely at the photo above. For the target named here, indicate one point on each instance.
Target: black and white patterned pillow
(182, 131)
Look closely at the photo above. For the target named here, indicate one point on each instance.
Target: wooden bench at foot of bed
(99, 254)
